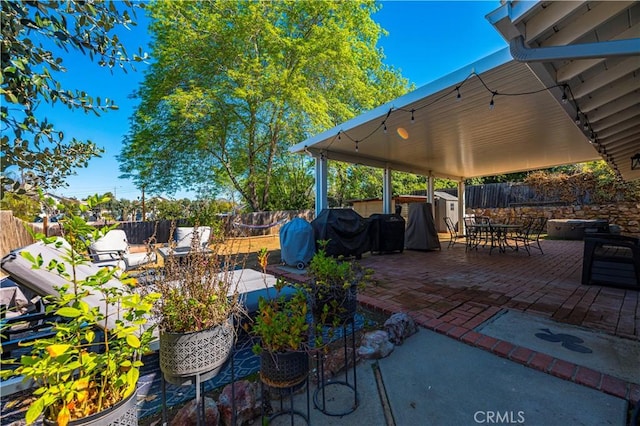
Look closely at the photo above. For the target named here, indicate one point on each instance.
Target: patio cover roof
(464, 138)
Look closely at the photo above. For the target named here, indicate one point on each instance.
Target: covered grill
(346, 231)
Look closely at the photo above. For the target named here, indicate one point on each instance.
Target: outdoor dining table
(494, 233)
(500, 233)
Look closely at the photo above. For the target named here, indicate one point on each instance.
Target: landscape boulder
(400, 326)
(375, 345)
(188, 415)
(247, 405)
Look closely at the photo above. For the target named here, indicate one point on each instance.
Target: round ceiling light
(403, 133)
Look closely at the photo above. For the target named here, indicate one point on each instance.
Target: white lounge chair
(113, 249)
(184, 236)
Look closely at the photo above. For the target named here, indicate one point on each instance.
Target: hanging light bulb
(578, 118)
(564, 95)
(413, 120)
(492, 104)
(356, 146)
(385, 127)
(458, 95)
(339, 133)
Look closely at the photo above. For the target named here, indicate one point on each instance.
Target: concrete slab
(433, 379)
(602, 352)
(339, 399)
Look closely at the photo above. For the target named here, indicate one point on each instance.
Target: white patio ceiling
(463, 138)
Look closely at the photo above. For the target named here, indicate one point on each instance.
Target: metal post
(321, 183)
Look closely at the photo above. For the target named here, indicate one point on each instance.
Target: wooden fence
(14, 234)
(502, 195)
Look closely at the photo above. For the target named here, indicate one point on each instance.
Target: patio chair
(185, 235)
(529, 234)
(113, 249)
(471, 232)
(612, 260)
(453, 232)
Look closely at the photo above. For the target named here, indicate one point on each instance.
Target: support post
(461, 207)
(321, 183)
(386, 191)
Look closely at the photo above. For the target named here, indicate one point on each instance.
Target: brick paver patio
(452, 291)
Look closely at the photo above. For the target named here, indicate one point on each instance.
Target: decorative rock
(188, 415)
(334, 362)
(400, 326)
(375, 345)
(247, 405)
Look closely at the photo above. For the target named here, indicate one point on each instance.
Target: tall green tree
(237, 82)
(34, 35)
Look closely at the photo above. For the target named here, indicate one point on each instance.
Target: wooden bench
(612, 260)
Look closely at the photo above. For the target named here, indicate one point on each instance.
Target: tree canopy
(34, 35)
(235, 83)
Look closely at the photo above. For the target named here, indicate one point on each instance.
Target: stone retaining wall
(625, 215)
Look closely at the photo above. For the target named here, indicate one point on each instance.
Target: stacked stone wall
(624, 215)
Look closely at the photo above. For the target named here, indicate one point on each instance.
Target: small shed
(444, 205)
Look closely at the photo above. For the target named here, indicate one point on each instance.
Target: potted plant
(334, 286)
(196, 309)
(283, 331)
(86, 370)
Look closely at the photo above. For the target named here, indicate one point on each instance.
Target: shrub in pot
(283, 331)
(196, 310)
(91, 361)
(333, 286)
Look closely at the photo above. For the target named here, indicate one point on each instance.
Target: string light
(567, 96)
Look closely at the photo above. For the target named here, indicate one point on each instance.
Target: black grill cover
(346, 230)
(421, 231)
(386, 232)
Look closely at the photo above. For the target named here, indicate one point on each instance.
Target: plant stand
(192, 359)
(284, 373)
(282, 393)
(346, 387)
(199, 380)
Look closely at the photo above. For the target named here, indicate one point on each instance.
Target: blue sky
(427, 40)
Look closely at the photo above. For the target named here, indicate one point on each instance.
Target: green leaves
(37, 149)
(69, 312)
(92, 359)
(236, 83)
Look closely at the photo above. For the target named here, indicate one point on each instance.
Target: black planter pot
(283, 369)
(342, 304)
(124, 413)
